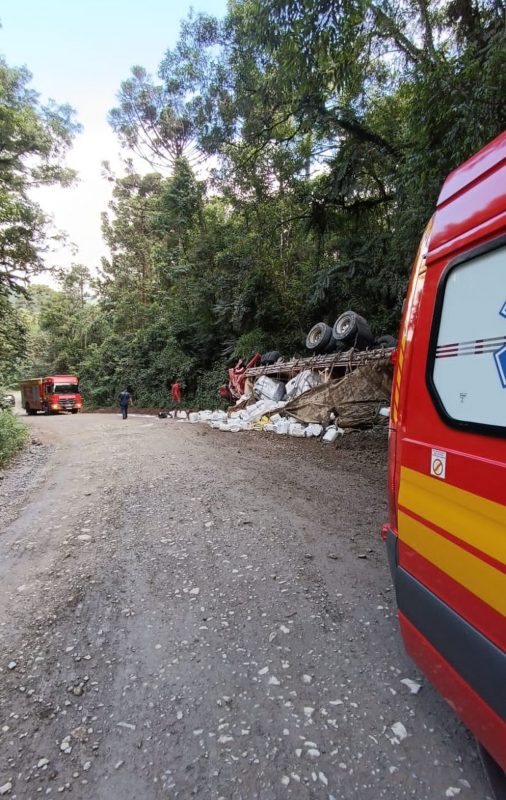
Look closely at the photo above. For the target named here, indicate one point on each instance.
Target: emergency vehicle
(446, 535)
(51, 395)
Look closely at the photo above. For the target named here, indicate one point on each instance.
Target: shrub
(206, 395)
(13, 435)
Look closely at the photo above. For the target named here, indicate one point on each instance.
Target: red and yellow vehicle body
(52, 394)
(446, 536)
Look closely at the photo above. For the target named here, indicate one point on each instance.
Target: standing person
(175, 392)
(124, 400)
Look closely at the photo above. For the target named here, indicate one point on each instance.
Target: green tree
(62, 324)
(33, 141)
(13, 332)
(385, 99)
(153, 120)
(127, 276)
(330, 126)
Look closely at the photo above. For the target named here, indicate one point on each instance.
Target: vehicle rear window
(468, 352)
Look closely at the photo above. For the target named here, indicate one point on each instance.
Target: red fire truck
(51, 395)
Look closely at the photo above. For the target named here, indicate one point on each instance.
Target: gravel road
(189, 613)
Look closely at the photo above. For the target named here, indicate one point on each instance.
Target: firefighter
(124, 400)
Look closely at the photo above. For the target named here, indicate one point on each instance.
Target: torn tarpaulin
(354, 399)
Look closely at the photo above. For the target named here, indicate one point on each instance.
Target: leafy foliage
(13, 435)
(13, 333)
(33, 139)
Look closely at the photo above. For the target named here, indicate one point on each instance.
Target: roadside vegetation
(294, 151)
(13, 435)
(33, 141)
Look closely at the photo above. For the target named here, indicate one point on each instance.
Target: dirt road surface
(189, 613)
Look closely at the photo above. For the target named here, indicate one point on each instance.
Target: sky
(79, 52)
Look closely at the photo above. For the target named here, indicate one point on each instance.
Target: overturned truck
(350, 389)
(345, 383)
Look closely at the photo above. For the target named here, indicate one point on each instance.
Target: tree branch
(392, 29)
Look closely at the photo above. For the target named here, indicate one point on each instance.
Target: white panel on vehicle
(470, 362)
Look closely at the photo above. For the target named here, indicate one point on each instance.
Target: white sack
(303, 382)
(269, 389)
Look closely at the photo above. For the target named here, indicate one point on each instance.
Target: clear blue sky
(79, 51)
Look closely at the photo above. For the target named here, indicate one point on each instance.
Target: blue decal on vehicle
(500, 355)
(500, 360)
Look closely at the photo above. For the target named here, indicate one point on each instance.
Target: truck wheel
(334, 346)
(269, 358)
(386, 341)
(75, 410)
(319, 337)
(353, 330)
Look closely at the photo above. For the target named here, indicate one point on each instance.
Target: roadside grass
(13, 435)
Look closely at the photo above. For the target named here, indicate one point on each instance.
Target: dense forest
(294, 151)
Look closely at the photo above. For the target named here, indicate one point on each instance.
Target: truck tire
(334, 346)
(74, 410)
(30, 411)
(319, 337)
(353, 330)
(269, 358)
(386, 341)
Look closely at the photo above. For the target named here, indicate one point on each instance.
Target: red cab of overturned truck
(51, 394)
(446, 535)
